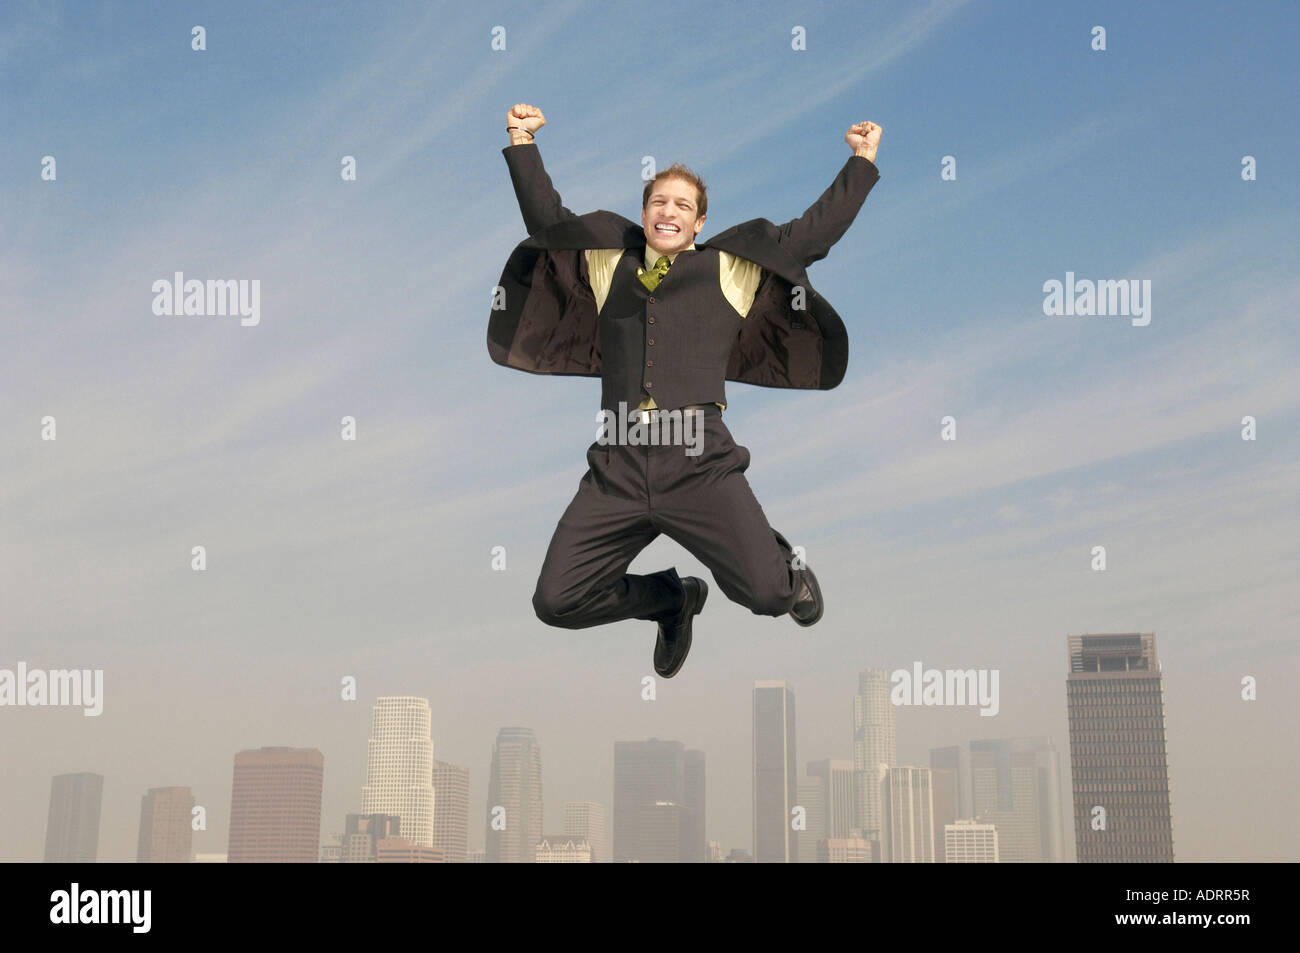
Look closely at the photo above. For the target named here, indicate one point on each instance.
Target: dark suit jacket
(544, 317)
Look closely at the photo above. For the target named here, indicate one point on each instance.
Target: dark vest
(672, 344)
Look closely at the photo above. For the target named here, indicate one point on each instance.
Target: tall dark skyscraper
(72, 829)
(776, 779)
(514, 807)
(165, 831)
(658, 803)
(275, 806)
(1116, 707)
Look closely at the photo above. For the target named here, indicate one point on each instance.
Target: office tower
(875, 747)
(165, 831)
(451, 811)
(847, 850)
(563, 849)
(1004, 786)
(714, 852)
(775, 775)
(585, 821)
(944, 783)
(72, 828)
(812, 798)
(399, 765)
(209, 858)
(476, 856)
(1047, 784)
(658, 802)
(907, 808)
(970, 842)
(275, 806)
(1118, 759)
(358, 844)
(950, 769)
(514, 807)
(839, 806)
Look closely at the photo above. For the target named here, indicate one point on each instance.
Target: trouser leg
(584, 579)
(706, 504)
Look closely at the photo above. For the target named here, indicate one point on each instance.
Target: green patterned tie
(651, 279)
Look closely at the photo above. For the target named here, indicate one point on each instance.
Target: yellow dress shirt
(737, 277)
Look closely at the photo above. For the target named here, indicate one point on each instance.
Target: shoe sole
(821, 606)
(696, 610)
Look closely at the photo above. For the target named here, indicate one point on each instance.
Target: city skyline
(1010, 786)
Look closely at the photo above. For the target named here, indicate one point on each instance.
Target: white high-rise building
(908, 811)
(970, 842)
(585, 820)
(875, 748)
(399, 766)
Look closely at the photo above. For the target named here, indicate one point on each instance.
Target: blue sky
(331, 558)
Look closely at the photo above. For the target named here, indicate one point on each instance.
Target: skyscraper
(944, 782)
(1004, 785)
(875, 747)
(585, 821)
(399, 766)
(812, 798)
(165, 831)
(907, 807)
(275, 806)
(514, 808)
(451, 811)
(658, 802)
(1118, 758)
(775, 774)
(72, 828)
(840, 806)
(359, 842)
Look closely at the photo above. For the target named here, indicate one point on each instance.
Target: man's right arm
(539, 202)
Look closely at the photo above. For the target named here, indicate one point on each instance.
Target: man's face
(669, 218)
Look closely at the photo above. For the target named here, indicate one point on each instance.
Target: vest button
(649, 384)
(652, 299)
(651, 342)
(652, 319)
(649, 363)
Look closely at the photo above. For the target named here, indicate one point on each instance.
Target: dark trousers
(631, 494)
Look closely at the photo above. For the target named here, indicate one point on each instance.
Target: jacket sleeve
(809, 237)
(538, 200)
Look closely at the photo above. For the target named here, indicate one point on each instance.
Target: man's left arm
(809, 237)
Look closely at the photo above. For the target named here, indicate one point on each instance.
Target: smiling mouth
(663, 229)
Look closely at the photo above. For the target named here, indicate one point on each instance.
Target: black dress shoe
(807, 607)
(674, 641)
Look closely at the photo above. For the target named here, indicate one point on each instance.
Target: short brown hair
(679, 171)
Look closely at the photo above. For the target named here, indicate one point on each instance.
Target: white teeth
(666, 228)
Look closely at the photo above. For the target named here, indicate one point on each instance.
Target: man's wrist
(518, 140)
(866, 153)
